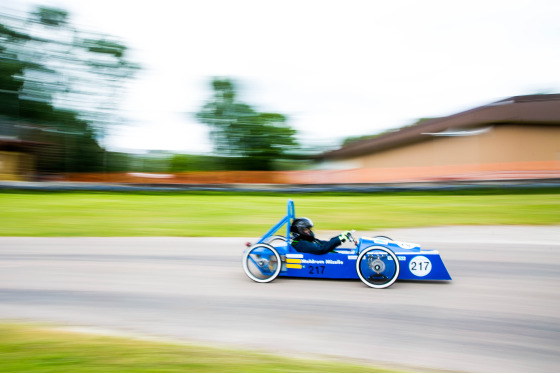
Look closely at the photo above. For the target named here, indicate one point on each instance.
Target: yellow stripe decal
(293, 266)
(293, 261)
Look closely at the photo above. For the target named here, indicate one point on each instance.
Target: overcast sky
(335, 68)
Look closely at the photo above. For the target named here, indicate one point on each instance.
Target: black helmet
(302, 223)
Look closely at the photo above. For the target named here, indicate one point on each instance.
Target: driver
(303, 239)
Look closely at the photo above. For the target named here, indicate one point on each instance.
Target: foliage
(164, 162)
(252, 139)
(59, 88)
(184, 162)
(353, 139)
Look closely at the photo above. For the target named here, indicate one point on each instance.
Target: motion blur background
(293, 95)
(173, 87)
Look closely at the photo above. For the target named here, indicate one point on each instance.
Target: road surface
(501, 312)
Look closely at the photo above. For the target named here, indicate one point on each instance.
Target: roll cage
(287, 220)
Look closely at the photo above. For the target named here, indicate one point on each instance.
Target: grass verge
(223, 214)
(36, 349)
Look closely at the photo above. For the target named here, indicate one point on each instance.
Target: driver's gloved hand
(344, 236)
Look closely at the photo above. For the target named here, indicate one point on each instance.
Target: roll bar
(287, 220)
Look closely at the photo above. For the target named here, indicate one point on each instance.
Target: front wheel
(383, 237)
(378, 267)
(262, 263)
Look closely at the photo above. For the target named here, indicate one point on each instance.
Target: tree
(60, 86)
(251, 139)
(353, 139)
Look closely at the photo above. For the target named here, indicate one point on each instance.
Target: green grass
(243, 214)
(36, 349)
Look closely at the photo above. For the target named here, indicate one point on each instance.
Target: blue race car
(377, 261)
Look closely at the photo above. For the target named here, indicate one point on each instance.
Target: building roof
(529, 109)
(8, 143)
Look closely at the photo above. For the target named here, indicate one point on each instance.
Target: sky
(335, 68)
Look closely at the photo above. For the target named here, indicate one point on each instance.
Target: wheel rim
(262, 263)
(377, 267)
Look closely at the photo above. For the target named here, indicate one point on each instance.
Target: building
(515, 136)
(17, 161)
(18, 155)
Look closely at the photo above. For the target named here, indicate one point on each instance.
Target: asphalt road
(501, 312)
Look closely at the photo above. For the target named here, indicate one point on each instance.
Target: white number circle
(420, 266)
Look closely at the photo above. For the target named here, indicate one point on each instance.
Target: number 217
(316, 270)
(419, 265)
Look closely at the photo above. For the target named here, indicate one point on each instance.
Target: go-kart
(378, 262)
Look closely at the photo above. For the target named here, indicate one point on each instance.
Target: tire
(262, 263)
(383, 237)
(275, 239)
(377, 267)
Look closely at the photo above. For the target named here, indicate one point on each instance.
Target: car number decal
(420, 266)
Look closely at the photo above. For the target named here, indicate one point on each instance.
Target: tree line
(60, 89)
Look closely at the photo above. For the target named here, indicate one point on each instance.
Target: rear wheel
(377, 267)
(262, 263)
(276, 240)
